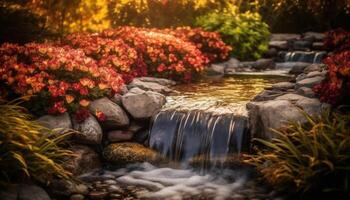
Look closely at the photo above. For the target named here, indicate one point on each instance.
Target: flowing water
(204, 122)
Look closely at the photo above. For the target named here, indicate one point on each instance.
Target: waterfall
(182, 135)
(303, 56)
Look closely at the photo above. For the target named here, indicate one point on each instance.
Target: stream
(202, 127)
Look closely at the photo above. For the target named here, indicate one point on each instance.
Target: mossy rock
(129, 153)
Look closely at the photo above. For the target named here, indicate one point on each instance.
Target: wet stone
(77, 197)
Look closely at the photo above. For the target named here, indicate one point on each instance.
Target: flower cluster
(110, 53)
(337, 40)
(60, 78)
(336, 88)
(165, 55)
(209, 43)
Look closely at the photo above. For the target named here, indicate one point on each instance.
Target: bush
(245, 32)
(165, 55)
(311, 157)
(335, 89)
(110, 53)
(209, 43)
(337, 40)
(25, 151)
(62, 79)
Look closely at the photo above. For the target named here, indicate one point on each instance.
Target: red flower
(81, 115)
(100, 116)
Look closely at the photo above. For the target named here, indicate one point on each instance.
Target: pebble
(116, 196)
(98, 195)
(114, 188)
(77, 197)
(110, 182)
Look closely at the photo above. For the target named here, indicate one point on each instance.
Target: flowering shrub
(337, 40)
(60, 78)
(209, 43)
(165, 55)
(336, 88)
(109, 53)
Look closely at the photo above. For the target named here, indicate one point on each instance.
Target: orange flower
(84, 102)
(102, 86)
(69, 98)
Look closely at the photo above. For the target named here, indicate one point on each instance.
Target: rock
(267, 95)
(119, 136)
(161, 81)
(315, 73)
(65, 188)
(77, 197)
(124, 90)
(115, 115)
(314, 67)
(136, 126)
(311, 106)
(284, 37)
(90, 131)
(309, 82)
(85, 160)
(60, 123)
(117, 98)
(283, 86)
(98, 195)
(290, 65)
(217, 69)
(274, 114)
(128, 153)
(280, 45)
(115, 189)
(291, 97)
(149, 86)
(298, 69)
(110, 182)
(143, 105)
(261, 64)
(315, 35)
(23, 192)
(318, 46)
(305, 91)
(302, 45)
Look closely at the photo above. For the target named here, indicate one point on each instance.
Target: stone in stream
(318, 46)
(302, 45)
(283, 86)
(115, 115)
(315, 36)
(284, 37)
(60, 123)
(280, 45)
(298, 68)
(307, 92)
(309, 82)
(128, 153)
(85, 160)
(314, 67)
(261, 64)
(89, 131)
(141, 104)
(267, 95)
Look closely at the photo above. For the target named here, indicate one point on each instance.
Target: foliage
(245, 32)
(164, 54)
(26, 151)
(335, 89)
(209, 43)
(61, 78)
(110, 53)
(160, 13)
(337, 40)
(314, 156)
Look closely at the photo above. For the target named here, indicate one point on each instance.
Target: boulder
(291, 97)
(283, 86)
(115, 115)
(23, 192)
(315, 73)
(143, 105)
(291, 65)
(149, 86)
(117, 98)
(280, 45)
(309, 82)
(284, 37)
(298, 69)
(305, 91)
(119, 136)
(314, 67)
(311, 106)
(267, 95)
(302, 45)
(85, 160)
(274, 114)
(128, 153)
(161, 81)
(89, 131)
(60, 123)
(316, 36)
(261, 64)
